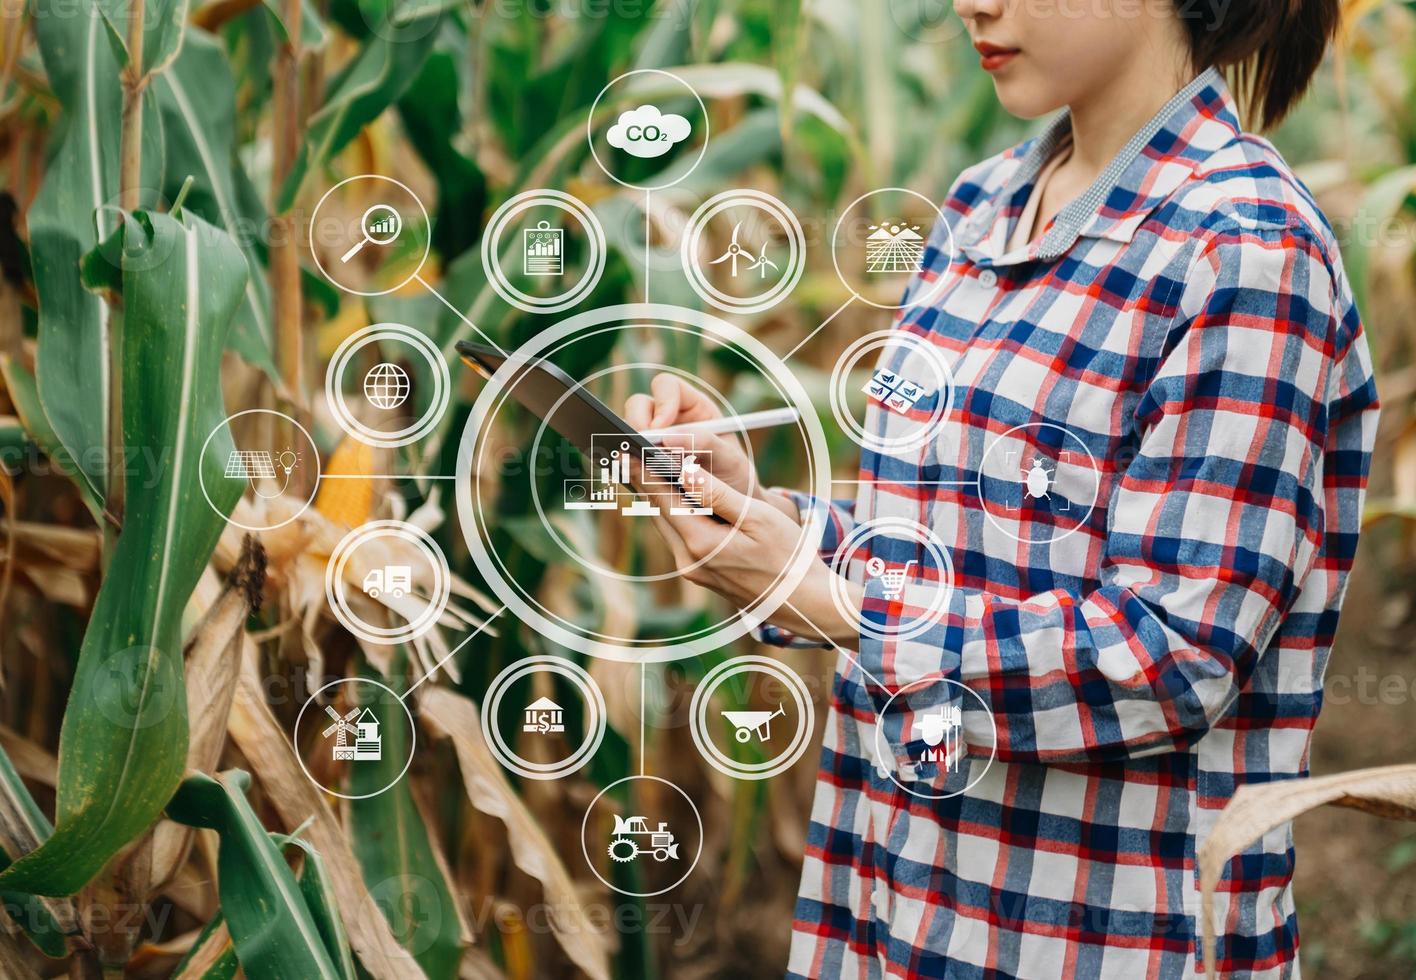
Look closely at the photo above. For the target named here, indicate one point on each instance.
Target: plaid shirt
(1185, 324)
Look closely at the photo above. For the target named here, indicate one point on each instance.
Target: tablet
(555, 397)
(665, 475)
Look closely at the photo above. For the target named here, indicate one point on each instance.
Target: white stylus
(733, 423)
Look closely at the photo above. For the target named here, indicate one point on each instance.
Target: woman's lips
(992, 56)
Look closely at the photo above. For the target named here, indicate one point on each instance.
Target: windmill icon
(365, 731)
(736, 251)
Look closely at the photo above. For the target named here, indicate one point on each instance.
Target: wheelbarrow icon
(892, 580)
(747, 722)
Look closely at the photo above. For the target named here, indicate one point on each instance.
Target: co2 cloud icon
(646, 132)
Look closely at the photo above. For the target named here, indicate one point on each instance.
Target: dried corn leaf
(1256, 809)
(453, 716)
(31, 761)
(213, 662)
(13, 965)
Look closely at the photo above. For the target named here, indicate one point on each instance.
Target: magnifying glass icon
(381, 225)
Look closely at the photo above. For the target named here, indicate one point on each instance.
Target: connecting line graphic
(807, 339)
(916, 483)
(643, 673)
(841, 650)
(465, 640)
(385, 476)
(646, 244)
(460, 315)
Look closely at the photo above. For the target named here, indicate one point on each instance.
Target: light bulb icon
(287, 461)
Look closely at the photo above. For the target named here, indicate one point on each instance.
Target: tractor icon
(1038, 480)
(632, 837)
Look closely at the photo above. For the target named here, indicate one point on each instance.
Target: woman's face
(1046, 54)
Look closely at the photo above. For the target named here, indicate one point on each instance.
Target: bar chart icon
(543, 250)
(667, 476)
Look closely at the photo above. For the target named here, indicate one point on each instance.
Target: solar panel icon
(250, 464)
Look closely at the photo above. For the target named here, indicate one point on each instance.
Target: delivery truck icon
(396, 580)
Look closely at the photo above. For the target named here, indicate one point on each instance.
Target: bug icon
(1038, 480)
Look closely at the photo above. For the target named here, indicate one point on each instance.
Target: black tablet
(555, 397)
(615, 449)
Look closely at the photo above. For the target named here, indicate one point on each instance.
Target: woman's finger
(726, 502)
(668, 395)
(639, 411)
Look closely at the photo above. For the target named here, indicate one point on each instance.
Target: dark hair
(1270, 49)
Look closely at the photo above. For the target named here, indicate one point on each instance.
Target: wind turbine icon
(736, 251)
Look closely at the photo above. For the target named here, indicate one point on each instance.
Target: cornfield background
(160, 160)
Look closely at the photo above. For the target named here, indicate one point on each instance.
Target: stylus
(733, 423)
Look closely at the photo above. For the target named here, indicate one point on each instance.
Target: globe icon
(386, 385)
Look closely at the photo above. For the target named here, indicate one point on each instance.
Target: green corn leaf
(24, 392)
(122, 748)
(313, 34)
(318, 893)
(395, 851)
(72, 364)
(22, 819)
(220, 963)
(266, 913)
(373, 81)
(164, 25)
(197, 99)
(432, 117)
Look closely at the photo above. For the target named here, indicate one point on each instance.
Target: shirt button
(988, 278)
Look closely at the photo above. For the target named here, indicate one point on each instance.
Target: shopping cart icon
(892, 580)
(748, 722)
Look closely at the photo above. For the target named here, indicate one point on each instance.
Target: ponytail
(1270, 49)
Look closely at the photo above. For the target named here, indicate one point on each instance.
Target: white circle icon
(642, 129)
(767, 727)
(525, 247)
(387, 572)
(881, 243)
(760, 263)
(542, 718)
(370, 235)
(903, 557)
(910, 383)
(920, 742)
(385, 387)
(649, 837)
(356, 733)
(271, 457)
(1038, 482)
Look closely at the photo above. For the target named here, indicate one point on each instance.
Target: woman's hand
(675, 402)
(743, 559)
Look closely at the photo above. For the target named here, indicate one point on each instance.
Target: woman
(1152, 280)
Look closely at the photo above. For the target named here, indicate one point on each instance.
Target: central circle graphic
(478, 478)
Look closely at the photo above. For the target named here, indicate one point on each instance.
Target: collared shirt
(1102, 589)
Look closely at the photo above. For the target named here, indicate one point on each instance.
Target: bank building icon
(544, 717)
